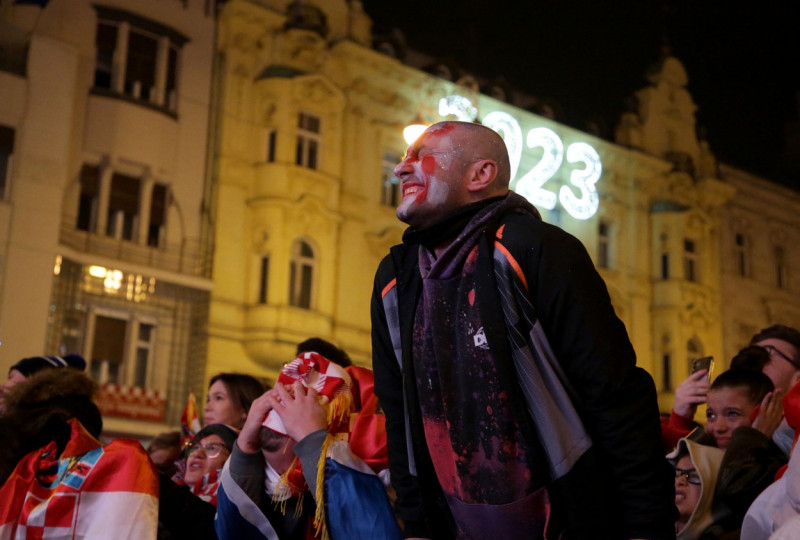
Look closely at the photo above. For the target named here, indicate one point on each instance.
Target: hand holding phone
(706, 362)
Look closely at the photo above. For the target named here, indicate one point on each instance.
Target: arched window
(301, 276)
(694, 350)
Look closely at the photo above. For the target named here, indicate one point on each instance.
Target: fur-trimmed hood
(38, 409)
(48, 385)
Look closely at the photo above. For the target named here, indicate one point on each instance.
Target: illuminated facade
(104, 117)
(310, 129)
(128, 171)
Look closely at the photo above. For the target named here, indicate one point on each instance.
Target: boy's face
(687, 494)
(728, 408)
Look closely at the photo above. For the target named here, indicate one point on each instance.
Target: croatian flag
(190, 422)
(88, 491)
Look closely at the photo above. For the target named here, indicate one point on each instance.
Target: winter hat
(225, 432)
(330, 380)
(29, 366)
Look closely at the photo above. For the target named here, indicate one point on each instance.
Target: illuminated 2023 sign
(581, 200)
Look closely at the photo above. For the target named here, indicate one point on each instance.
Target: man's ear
(482, 175)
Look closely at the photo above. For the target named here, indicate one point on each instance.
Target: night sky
(589, 57)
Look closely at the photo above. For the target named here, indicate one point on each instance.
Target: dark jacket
(622, 486)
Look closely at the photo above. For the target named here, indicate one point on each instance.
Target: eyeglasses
(691, 475)
(212, 450)
(771, 349)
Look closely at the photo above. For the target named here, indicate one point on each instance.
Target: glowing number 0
(584, 206)
(459, 106)
(530, 185)
(508, 127)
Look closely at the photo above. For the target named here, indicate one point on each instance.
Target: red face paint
(428, 164)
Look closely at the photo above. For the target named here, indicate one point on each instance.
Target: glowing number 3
(581, 206)
(586, 205)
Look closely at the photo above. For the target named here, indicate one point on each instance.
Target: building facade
(104, 220)
(189, 189)
(309, 132)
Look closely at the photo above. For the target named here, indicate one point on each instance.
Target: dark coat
(622, 487)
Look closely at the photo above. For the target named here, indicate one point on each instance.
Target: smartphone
(706, 362)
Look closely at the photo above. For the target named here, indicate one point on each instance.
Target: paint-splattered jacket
(608, 476)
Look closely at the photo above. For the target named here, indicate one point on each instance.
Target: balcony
(187, 257)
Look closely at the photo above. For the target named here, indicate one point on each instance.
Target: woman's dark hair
(242, 389)
(755, 384)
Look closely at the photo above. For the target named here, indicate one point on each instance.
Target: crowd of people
(505, 402)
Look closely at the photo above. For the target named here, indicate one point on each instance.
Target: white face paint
(430, 176)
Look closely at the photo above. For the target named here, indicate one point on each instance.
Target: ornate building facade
(309, 132)
(189, 189)
(105, 245)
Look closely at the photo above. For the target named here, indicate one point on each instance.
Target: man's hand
(770, 413)
(690, 393)
(248, 438)
(299, 409)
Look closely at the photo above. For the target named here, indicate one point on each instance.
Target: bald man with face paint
(513, 402)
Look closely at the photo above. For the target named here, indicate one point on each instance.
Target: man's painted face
(431, 177)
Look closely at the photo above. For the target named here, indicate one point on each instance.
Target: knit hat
(29, 366)
(225, 432)
(330, 380)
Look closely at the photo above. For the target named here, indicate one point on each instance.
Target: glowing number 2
(530, 185)
(508, 127)
(586, 205)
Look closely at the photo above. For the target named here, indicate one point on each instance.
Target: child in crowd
(739, 398)
(696, 468)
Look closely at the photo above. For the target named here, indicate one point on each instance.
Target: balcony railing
(188, 257)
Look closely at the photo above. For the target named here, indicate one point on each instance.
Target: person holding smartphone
(688, 395)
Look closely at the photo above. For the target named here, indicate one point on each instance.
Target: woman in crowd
(187, 511)
(205, 458)
(229, 398)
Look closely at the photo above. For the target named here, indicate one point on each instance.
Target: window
(6, 153)
(144, 352)
(123, 207)
(666, 372)
(112, 360)
(603, 245)
(272, 143)
(307, 141)
(140, 66)
(780, 267)
(87, 202)
(158, 215)
(741, 254)
(390, 185)
(108, 349)
(264, 280)
(301, 275)
(664, 261)
(689, 260)
(137, 58)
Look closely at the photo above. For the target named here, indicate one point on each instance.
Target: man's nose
(403, 168)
